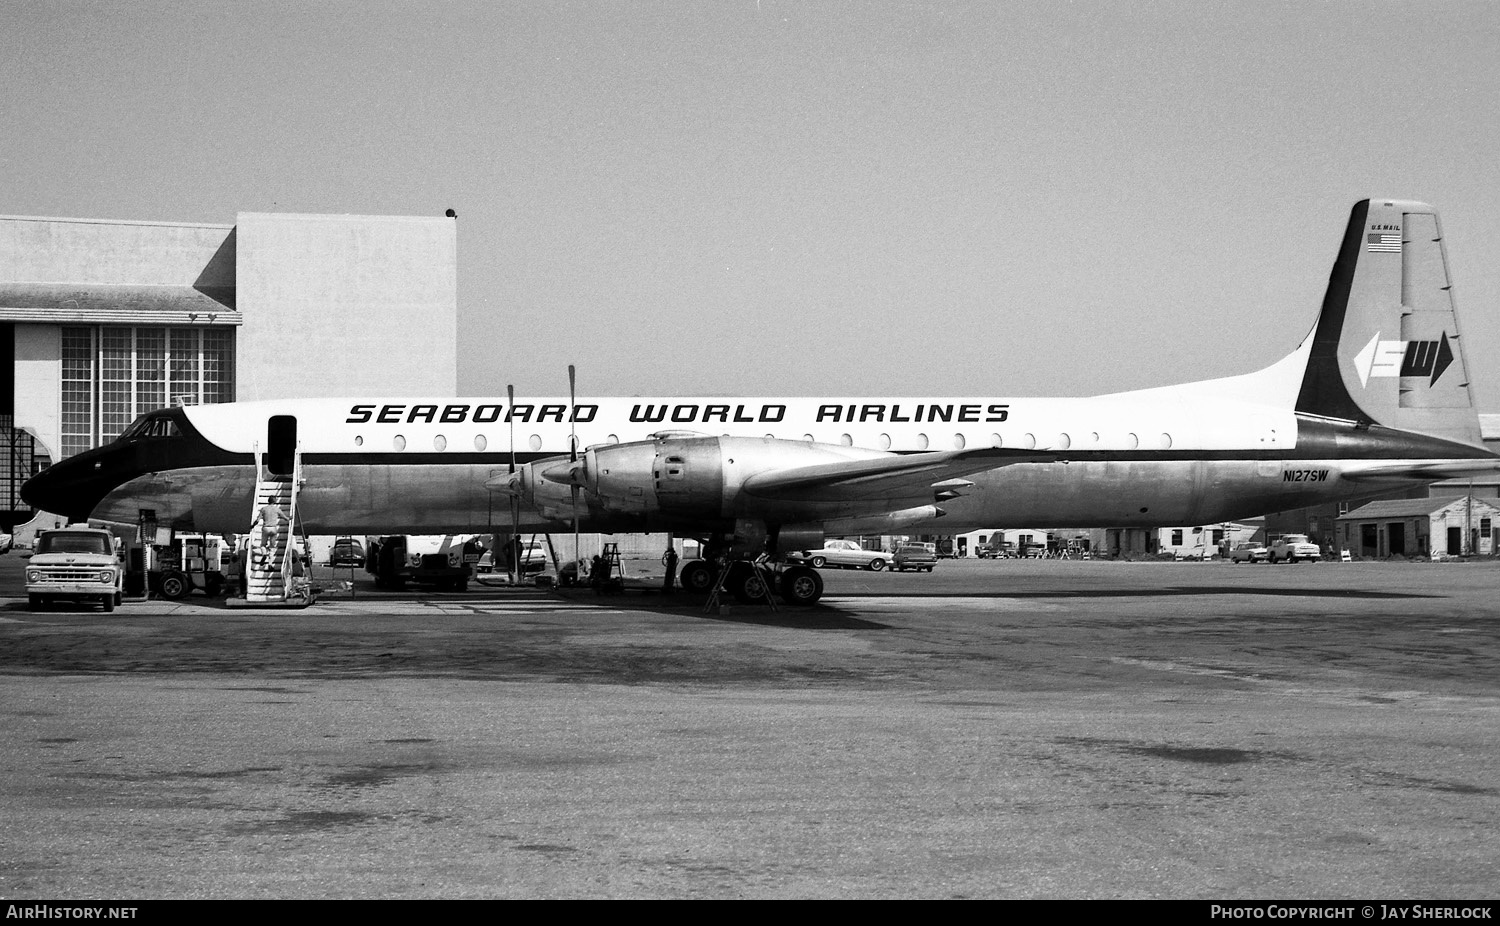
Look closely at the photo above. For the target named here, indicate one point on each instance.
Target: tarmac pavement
(994, 729)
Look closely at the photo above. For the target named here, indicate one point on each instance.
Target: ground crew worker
(669, 559)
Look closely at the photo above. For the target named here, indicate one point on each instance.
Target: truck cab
(76, 564)
(1289, 548)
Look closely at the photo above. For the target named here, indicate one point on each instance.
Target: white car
(1249, 553)
(845, 553)
(1291, 547)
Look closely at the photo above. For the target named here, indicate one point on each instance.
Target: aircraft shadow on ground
(1183, 591)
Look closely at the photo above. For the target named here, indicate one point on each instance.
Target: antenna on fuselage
(514, 541)
(573, 451)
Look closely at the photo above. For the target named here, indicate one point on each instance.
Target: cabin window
(1064, 441)
(921, 441)
(535, 442)
(959, 442)
(398, 442)
(847, 440)
(439, 442)
(995, 440)
(480, 442)
(885, 442)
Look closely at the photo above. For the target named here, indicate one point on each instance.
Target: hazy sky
(771, 197)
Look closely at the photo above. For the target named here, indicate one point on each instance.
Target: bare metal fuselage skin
(431, 498)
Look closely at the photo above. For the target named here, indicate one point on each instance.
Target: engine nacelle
(798, 537)
(698, 482)
(702, 478)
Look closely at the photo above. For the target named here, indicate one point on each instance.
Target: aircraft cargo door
(281, 444)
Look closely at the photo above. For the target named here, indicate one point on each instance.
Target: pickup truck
(1289, 548)
(75, 563)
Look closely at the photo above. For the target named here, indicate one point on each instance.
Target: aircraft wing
(894, 477)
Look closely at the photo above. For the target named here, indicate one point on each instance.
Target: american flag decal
(1391, 243)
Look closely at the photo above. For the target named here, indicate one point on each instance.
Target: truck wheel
(108, 603)
(36, 603)
(174, 585)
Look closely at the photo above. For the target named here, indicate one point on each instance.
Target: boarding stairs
(270, 568)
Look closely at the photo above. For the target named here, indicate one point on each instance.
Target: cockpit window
(154, 425)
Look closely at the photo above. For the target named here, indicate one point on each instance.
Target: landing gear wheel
(748, 583)
(697, 577)
(801, 586)
(174, 585)
(876, 565)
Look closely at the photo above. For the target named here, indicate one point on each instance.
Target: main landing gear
(749, 582)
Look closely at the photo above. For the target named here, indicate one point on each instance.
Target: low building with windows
(1461, 525)
(105, 320)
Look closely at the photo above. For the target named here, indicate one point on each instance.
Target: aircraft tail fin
(1387, 348)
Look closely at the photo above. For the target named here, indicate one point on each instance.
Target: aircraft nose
(72, 487)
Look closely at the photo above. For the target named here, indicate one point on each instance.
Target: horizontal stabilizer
(892, 476)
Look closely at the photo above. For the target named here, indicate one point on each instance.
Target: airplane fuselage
(421, 466)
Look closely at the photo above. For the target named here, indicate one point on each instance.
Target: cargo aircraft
(1377, 397)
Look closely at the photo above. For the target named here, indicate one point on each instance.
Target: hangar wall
(317, 305)
(347, 305)
(105, 320)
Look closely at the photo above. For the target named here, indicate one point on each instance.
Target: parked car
(844, 553)
(915, 556)
(1249, 553)
(532, 559)
(1289, 548)
(347, 552)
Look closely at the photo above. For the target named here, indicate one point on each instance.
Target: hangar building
(103, 320)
